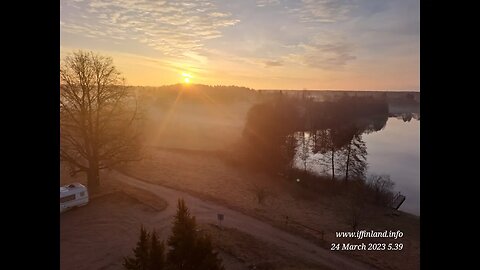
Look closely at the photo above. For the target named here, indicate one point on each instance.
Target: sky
(260, 44)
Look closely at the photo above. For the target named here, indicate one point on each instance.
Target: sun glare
(186, 77)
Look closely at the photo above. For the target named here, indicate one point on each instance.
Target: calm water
(395, 150)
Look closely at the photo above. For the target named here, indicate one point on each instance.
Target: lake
(393, 150)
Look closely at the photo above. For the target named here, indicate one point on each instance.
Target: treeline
(285, 130)
(408, 99)
(196, 93)
(187, 248)
(285, 127)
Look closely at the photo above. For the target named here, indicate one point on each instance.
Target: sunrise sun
(186, 77)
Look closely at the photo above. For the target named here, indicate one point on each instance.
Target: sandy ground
(208, 176)
(98, 235)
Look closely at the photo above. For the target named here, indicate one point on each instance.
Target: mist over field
(197, 120)
(201, 117)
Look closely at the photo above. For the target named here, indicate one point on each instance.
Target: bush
(261, 193)
(355, 204)
(382, 189)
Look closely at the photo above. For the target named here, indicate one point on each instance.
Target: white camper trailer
(73, 195)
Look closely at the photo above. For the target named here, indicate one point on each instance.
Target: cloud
(175, 28)
(324, 51)
(273, 63)
(263, 3)
(323, 11)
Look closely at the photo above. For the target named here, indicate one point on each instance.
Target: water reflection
(395, 150)
(293, 136)
(393, 147)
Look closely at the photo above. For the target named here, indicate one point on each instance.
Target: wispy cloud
(175, 28)
(263, 3)
(323, 11)
(273, 63)
(324, 51)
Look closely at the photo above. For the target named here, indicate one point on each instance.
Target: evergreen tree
(189, 251)
(141, 253)
(157, 253)
(206, 257)
(182, 240)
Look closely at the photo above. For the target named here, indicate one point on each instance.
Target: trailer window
(67, 198)
(82, 193)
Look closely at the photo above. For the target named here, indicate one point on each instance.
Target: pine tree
(157, 253)
(182, 240)
(188, 250)
(205, 256)
(141, 254)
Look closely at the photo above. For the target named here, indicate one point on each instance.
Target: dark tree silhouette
(140, 260)
(329, 142)
(268, 134)
(304, 149)
(188, 250)
(98, 116)
(182, 239)
(165, 96)
(157, 253)
(354, 158)
(205, 256)
(290, 149)
(334, 129)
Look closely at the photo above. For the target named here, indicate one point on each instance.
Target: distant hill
(194, 93)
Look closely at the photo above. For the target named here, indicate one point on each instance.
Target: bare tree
(98, 116)
(305, 149)
(327, 144)
(354, 158)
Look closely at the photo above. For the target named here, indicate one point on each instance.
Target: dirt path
(206, 212)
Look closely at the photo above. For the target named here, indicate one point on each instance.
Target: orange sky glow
(261, 44)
